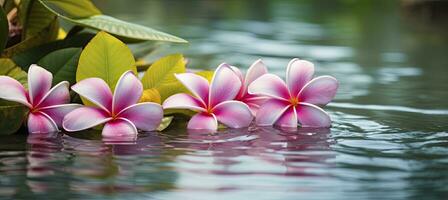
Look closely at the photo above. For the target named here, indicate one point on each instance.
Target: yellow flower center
(294, 101)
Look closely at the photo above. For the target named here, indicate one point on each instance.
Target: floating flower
(257, 69)
(297, 100)
(120, 112)
(213, 102)
(47, 106)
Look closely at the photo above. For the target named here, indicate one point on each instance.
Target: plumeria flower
(47, 106)
(214, 102)
(297, 100)
(120, 112)
(257, 69)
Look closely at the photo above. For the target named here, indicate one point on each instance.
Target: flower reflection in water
(42, 151)
(297, 150)
(235, 159)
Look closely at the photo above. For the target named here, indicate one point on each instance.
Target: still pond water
(389, 137)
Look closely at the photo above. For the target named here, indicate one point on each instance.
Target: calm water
(389, 137)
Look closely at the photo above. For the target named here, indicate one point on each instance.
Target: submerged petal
(196, 84)
(118, 128)
(59, 94)
(12, 90)
(96, 91)
(58, 112)
(270, 112)
(39, 83)
(39, 122)
(269, 85)
(319, 91)
(145, 116)
(312, 116)
(234, 114)
(298, 73)
(127, 92)
(203, 121)
(183, 101)
(84, 118)
(288, 118)
(224, 86)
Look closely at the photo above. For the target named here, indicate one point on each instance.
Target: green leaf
(206, 74)
(118, 27)
(62, 64)
(166, 121)
(11, 114)
(46, 35)
(73, 9)
(37, 18)
(33, 55)
(105, 57)
(4, 29)
(125, 29)
(9, 68)
(161, 75)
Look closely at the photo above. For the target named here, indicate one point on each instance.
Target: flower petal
(196, 84)
(118, 128)
(84, 118)
(224, 86)
(288, 118)
(298, 73)
(127, 92)
(319, 91)
(145, 116)
(237, 72)
(270, 112)
(269, 85)
(12, 90)
(254, 102)
(312, 116)
(234, 114)
(58, 112)
(203, 121)
(96, 91)
(183, 101)
(39, 83)
(39, 122)
(59, 94)
(257, 69)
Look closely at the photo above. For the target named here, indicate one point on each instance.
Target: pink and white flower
(257, 69)
(214, 102)
(47, 106)
(120, 112)
(297, 100)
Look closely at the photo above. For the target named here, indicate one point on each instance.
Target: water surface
(389, 137)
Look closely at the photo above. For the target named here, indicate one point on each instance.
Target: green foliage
(4, 29)
(206, 74)
(106, 23)
(166, 121)
(62, 64)
(33, 55)
(9, 68)
(105, 57)
(125, 29)
(46, 35)
(160, 76)
(36, 18)
(72, 9)
(11, 114)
